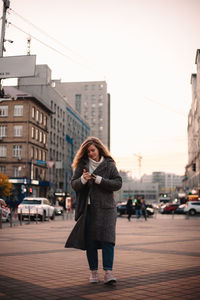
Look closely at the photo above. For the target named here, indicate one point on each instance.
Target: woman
(95, 179)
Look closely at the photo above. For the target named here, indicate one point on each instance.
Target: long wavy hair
(82, 152)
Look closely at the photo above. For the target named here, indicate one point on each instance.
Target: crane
(139, 163)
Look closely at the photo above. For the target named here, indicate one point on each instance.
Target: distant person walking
(138, 207)
(129, 206)
(95, 179)
(144, 208)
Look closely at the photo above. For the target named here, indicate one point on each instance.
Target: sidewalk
(157, 259)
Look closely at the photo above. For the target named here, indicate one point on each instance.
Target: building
(67, 130)
(134, 188)
(168, 183)
(192, 169)
(24, 123)
(92, 102)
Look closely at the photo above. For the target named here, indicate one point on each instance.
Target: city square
(157, 259)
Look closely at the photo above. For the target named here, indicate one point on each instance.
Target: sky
(144, 49)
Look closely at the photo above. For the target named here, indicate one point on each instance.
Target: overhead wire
(46, 34)
(51, 47)
(166, 107)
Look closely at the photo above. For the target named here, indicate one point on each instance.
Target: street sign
(17, 66)
(50, 163)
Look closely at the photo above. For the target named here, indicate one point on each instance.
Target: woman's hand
(86, 175)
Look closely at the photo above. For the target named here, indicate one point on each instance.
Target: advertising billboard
(17, 66)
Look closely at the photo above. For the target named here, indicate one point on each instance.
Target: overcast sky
(144, 49)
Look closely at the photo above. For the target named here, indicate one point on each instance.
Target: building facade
(24, 142)
(92, 102)
(67, 130)
(192, 169)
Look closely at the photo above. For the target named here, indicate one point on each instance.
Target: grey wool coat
(102, 203)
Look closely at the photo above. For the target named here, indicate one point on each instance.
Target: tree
(5, 186)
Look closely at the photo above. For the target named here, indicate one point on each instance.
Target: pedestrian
(138, 207)
(129, 206)
(144, 209)
(94, 180)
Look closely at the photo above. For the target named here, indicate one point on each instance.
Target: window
(4, 111)
(18, 130)
(37, 115)
(41, 118)
(37, 134)
(37, 154)
(17, 151)
(16, 171)
(78, 102)
(41, 136)
(45, 120)
(33, 112)
(3, 130)
(18, 110)
(32, 152)
(33, 133)
(3, 151)
(44, 138)
(3, 169)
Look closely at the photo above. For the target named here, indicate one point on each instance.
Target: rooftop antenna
(28, 45)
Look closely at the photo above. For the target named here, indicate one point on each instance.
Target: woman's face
(93, 152)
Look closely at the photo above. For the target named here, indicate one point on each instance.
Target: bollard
(0, 219)
(29, 215)
(36, 215)
(11, 217)
(172, 214)
(63, 215)
(42, 214)
(48, 214)
(20, 216)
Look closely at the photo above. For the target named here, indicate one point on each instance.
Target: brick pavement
(157, 259)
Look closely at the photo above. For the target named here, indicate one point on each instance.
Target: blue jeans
(92, 251)
(138, 213)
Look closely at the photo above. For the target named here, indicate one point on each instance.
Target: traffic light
(30, 190)
(194, 167)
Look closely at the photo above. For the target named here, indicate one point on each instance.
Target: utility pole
(6, 5)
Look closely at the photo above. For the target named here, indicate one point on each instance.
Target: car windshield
(31, 201)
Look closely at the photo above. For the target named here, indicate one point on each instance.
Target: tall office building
(92, 101)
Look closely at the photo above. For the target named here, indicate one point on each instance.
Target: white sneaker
(94, 278)
(109, 278)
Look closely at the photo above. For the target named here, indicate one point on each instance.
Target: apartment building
(67, 130)
(92, 102)
(24, 142)
(192, 169)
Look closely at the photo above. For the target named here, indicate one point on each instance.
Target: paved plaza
(156, 259)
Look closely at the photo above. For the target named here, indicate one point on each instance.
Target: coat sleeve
(114, 182)
(76, 183)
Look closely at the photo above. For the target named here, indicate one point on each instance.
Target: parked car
(168, 208)
(192, 207)
(122, 210)
(180, 209)
(5, 211)
(34, 206)
(58, 210)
